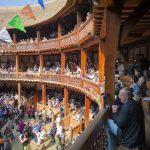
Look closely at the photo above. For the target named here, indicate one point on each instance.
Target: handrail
(26, 46)
(49, 44)
(78, 84)
(86, 29)
(71, 39)
(94, 136)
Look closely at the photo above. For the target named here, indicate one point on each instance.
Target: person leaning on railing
(127, 126)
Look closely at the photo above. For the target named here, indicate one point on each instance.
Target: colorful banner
(4, 36)
(27, 11)
(17, 23)
(41, 3)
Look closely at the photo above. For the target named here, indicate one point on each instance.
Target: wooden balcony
(84, 32)
(25, 47)
(49, 44)
(69, 40)
(81, 85)
(94, 136)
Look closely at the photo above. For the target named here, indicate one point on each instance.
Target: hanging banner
(27, 11)
(17, 23)
(4, 36)
(41, 3)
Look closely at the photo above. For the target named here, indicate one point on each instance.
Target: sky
(17, 2)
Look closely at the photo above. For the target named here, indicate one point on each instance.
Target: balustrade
(86, 29)
(51, 78)
(26, 46)
(29, 76)
(94, 136)
(91, 87)
(6, 48)
(88, 87)
(7, 76)
(49, 44)
(70, 39)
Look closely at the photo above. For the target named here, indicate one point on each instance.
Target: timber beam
(134, 17)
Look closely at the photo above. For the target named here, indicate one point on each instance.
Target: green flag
(17, 23)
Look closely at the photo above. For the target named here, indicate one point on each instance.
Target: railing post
(17, 65)
(59, 34)
(44, 94)
(14, 41)
(87, 112)
(38, 39)
(41, 66)
(63, 61)
(19, 92)
(83, 62)
(66, 95)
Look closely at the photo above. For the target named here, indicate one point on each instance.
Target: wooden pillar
(87, 112)
(17, 65)
(38, 39)
(14, 41)
(101, 61)
(59, 33)
(111, 46)
(66, 95)
(41, 65)
(19, 92)
(63, 62)
(43, 93)
(79, 19)
(83, 61)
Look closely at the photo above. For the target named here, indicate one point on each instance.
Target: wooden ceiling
(136, 13)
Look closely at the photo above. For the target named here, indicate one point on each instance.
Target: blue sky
(16, 2)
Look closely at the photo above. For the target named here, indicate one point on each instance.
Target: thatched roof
(54, 8)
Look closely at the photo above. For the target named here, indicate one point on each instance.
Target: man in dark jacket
(127, 126)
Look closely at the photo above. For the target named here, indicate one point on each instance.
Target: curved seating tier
(76, 37)
(89, 88)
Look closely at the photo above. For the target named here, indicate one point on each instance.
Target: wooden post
(14, 41)
(87, 112)
(59, 33)
(36, 100)
(101, 61)
(83, 61)
(38, 39)
(19, 93)
(111, 46)
(66, 95)
(79, 19)
(17, 65)
(43, 93)
(63, 62)
(41, 66)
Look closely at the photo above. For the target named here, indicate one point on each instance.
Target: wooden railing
(28, 76)
(6, 48)
(68, 40)
(89, 88)
(7, 76)
(26, 46)
(42, 106)
(49, 44)
(94, 136)
(30, 101)
(92, 87)
(86, 29)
